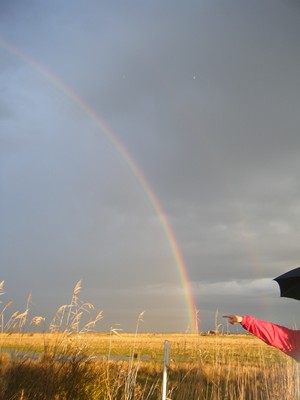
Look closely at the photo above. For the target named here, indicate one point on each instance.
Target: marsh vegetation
(70, 361)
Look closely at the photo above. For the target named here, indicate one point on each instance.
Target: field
(129, 366)
(69, 361)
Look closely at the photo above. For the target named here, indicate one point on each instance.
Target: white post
(166, 365)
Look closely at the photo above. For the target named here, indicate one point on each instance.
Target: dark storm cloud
(205, 96)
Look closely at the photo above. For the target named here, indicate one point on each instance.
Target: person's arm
(275, 335)
(280, 337)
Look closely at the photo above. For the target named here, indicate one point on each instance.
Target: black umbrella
(289, 284)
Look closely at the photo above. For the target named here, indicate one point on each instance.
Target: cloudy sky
(204, 96)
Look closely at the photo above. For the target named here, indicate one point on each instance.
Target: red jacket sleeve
(280, 337)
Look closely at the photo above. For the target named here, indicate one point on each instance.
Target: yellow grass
(233, 367)
(183, 346)
(71, 363)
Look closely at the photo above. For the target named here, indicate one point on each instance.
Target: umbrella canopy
(289, 284)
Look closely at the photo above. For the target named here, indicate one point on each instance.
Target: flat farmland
(129, 366)
(190, 347)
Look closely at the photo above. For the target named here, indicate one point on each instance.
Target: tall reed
(223, 367)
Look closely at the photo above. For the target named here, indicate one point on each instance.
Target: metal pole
(166, 365)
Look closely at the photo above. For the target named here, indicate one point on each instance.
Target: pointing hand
(233, 319)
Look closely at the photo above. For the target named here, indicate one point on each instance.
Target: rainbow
(150, 195)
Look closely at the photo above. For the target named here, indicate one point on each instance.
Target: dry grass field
(129, 366)
(71, 362)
